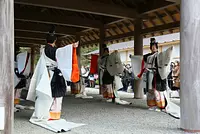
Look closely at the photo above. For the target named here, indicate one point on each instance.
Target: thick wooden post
(7, 64)
(78, 50)
(32, 59)
(101, 42)
(190, 64)
(102, 38)
(138, 50)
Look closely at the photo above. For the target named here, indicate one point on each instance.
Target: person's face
(106, 52)
(154, 49)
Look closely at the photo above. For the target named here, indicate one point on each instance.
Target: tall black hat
(51, 37)
(153, 42)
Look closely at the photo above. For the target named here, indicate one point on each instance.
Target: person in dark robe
(58, 85)
(157, 84)
(106, 80)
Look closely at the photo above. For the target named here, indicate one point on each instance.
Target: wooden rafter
(159, 17)
(44, 28)
(39, 17)
(126, 25)
(177, 8)
(169, 15)
(145, 25)
(89, 7)
(92, 34)
(37, 36)
(153, 23)
(89, 36)
(30, 41)
(82, 39)
(95, 33)
(114, 30)
(120, 28)
(144, 31)
(154, 5)
(108, 32)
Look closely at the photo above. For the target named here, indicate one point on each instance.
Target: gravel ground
(101, 117)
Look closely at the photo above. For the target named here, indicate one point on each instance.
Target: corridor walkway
(105, 118)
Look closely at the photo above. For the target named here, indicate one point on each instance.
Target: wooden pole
(7, 63)
(32, 59)
(138, 50)
(79, 50)
(101, 42)
(190, 64)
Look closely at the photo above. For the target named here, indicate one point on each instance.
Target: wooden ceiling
(84, 18)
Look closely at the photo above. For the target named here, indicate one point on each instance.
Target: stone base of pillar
(138, 91)
(190, 131)
(100, 89)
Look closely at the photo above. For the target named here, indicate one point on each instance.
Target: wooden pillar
(127, 56)
(101, 42)
(138, 50)
(7, 64)
(78, 50)
(190, 52)
(32, 59)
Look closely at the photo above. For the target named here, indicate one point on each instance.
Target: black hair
(104, 46)
(105, 49)
(153, 42)
(51, 37)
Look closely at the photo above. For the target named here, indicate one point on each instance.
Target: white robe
(114, 64)
(40, 90)
(21, 63)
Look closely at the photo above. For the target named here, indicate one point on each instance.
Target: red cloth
(142, 69)
(94, 64)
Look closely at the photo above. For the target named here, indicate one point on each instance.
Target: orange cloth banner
(75, 76)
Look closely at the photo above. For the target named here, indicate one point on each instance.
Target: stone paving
(102, 117)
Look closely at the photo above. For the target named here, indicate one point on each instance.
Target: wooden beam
(152, 22)
(89, 36)
(169, 15)
(85, 6)
(145, 25)
(120, 28)
(114, 30)
(161, 27)
(108, 31)
(7, 66)
(22, 44)
(154, 5)
(30, 41)
(32, 59)
(159, 17)
(44, 28)
(177, 8)
(127, 26)
(176, 1)
(28, 15)
(144, 31)
(101, 40)
(37, 36)
(95, 33)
